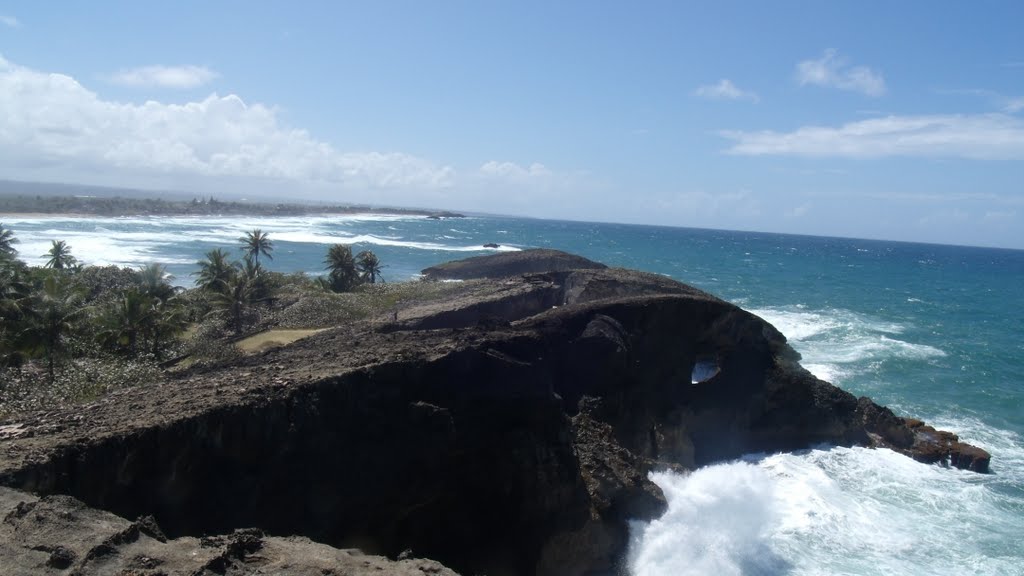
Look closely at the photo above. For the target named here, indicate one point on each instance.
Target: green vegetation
(118, 206)
(369, 267)
(60, 256)
(255, 243)
(341, 266)
(70, 333)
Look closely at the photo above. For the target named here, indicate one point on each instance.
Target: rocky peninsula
(507, 430)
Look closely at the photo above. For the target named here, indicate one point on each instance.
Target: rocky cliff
(508, 431)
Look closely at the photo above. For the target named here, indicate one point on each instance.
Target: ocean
(935, 332)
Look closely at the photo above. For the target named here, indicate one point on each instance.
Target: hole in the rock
(704, 369)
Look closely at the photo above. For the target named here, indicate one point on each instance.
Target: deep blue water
(932, 331)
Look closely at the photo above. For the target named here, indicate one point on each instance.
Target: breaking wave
(836, 344)
(835, 511)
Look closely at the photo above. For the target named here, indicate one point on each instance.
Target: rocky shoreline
(508, 431)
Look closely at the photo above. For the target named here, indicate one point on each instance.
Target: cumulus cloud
(979, 136)
(9, 21)
(725, 90)
(513, 170)
(51, 125)
(832, 71)
(180, 77)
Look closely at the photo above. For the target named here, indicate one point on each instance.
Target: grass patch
(272, 338)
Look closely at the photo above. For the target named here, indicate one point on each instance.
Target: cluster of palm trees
(345, 272)
(46, 312)
(236, 288)
(64, 309)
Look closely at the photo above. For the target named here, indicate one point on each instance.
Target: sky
(868, 119)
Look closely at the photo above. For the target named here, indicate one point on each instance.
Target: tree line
(64, 309)
(208, 206)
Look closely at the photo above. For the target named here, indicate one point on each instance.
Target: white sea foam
(836, 343)
(325, 238)
(136, 240)
(830, 511)
(99, 246)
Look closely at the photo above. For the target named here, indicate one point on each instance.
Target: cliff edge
(509, 430)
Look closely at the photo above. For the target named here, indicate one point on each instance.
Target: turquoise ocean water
(936, 332)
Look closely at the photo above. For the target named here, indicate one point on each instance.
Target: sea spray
(829, 511)
(717, 522)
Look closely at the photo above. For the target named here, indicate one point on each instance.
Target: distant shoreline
(26, 206)
(41, 215)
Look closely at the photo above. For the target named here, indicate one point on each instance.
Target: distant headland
(42, 198)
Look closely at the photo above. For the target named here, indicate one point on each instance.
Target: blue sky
(894, 120)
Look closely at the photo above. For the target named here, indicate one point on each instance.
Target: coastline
(68, 215)
(24, 206)
(41, 215)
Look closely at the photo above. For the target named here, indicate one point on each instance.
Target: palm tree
(368, 266)
(258, 285)
(234, 301)
(126, 320)
(13, 289)
(14, 294)
(7, 240)
(167, 319)
(215, 272)
(342, 268)
(52, 314)
(60, 256)
(255, 243)
(153, 281)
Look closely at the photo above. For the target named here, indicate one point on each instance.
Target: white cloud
(1005, 103)
(830, 70)
(798, 211)
(1014, 105)
(1000, 215)
(9, 21)
(979, 136)
(51, 127)
(181, 77)
(725, 90)
(513, 171)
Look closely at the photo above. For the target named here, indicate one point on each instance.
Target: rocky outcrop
(510, 264)
(509, 431)
(61, 535)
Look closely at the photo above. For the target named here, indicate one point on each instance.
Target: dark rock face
(503, 434)
(509, 264)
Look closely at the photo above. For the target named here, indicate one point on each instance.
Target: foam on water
(322, 238)
(830, 511)
(836, 344)
(100, 246)
(130, 241)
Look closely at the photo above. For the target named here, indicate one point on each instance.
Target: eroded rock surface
(61, 535)
(507, 431)
(510, 264)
